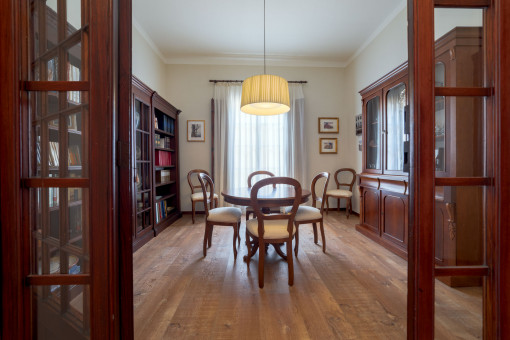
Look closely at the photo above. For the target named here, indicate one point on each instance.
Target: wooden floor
(357, 290)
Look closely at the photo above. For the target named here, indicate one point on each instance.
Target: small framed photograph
(328, 145)
(196, 130)
(328, 125)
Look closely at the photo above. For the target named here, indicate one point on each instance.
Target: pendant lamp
(265, 94)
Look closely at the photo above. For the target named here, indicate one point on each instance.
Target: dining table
(268, 196)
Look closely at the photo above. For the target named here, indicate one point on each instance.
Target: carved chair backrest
(338, 174)
(205, 182)
(192, 175)
(325, 183)
(257, 208)
(257, 173)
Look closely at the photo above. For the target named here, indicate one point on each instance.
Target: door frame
(421, 270)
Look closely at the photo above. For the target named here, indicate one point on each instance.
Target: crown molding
(373, 36)
(253, 60)
(149, 41)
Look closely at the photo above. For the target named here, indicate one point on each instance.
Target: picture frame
(196, 130)
(328, 145)
(328, 125)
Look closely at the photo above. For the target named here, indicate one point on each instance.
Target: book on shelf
(53, 199)
(73, 194)
(162, 158)
(53, 154)
(74, 158)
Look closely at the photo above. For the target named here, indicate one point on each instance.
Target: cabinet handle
(452, 226)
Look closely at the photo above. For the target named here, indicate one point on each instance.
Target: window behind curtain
(245, 143)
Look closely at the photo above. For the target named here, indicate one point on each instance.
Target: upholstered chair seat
(198, 196)
(225, 214)
(306, 213)
(339, 193)
(273, 229)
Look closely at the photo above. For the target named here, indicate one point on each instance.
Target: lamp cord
(264, 36)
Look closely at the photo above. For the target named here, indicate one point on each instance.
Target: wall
(189, 89)
(383, 54)
(147, 65)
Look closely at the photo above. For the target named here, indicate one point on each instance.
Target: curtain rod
(240, 81)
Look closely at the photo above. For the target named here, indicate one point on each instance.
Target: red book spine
(162, 158)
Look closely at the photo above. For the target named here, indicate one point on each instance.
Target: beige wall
(147, 65)
(189, 89)
(383, 54)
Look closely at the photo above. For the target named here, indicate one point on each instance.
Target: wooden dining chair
(225, 216)
(197, 196)
(272, 228)
(249, 210)
(314, 214)
(341, 193)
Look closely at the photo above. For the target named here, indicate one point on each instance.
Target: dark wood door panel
(371, 209)
(394, 226)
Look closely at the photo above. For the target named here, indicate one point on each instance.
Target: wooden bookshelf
(155, 158)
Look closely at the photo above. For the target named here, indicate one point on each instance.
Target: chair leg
(210, 235)
(315, 238)
(321, 224)
(290, 262)
(262, 254)
(248, 245)
(234, 241)
(327, 205)
(206, 238)
(296, 246)
(348, 207)
(238, 233)
(193, 212)
(338, 204)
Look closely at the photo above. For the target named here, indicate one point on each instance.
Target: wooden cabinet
(155, 158)
(383, 184)
(384, 210)
(459, 150)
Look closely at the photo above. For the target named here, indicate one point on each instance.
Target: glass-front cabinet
(383, 123)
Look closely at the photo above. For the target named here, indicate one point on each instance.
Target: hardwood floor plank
(356, 290)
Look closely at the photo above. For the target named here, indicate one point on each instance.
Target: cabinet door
(371, 209)
(394, 218)
(395, 101)
(373, 135)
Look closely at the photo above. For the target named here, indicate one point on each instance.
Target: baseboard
(354, 213)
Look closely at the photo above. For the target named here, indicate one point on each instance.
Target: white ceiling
(298, 32)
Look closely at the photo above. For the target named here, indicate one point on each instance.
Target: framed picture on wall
(196, 130)
(328, 125)
(328, 145)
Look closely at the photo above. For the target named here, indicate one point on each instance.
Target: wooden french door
(488, 179)
(59, 109)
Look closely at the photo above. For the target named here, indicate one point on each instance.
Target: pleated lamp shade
(265, 95)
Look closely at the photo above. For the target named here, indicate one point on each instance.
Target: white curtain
(246, 143)
(395, 101)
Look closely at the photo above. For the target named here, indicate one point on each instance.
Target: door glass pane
(395, 103)
(458, 311)
(59, 231)
(55, 147)
(73, 16)
(68, 303)
(459, 44)
(373, 160)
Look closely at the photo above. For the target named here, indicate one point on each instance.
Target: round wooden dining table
(267, 196)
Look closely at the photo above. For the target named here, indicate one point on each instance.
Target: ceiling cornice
(251, 60)
(386, 22)
(148, 39)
